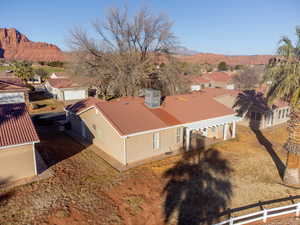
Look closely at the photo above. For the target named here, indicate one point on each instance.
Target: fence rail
(263, 215)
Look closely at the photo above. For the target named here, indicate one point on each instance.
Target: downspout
(125, 151)
(34, 159)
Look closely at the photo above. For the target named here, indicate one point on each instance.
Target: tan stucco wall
(16, 163)
(140, 147)
(104, 136)
(217, 132)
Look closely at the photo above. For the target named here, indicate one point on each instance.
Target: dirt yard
(181, 190)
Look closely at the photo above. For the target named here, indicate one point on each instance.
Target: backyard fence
(264, 214)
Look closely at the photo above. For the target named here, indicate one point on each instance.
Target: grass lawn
(179, 190)
(44, 104)
(4, 68)
(49, 69)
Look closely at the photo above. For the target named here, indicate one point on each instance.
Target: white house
(65, 90)
(12, 91)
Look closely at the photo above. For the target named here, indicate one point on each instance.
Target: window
(178, 135)
(213, 129)
(155, 140)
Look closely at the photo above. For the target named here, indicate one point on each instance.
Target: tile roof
(130, 115)
(16, 126)
(216, 92)
(196, 79)
(11, 84)
(218, 77)
(61, 83)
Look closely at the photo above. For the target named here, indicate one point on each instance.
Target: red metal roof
(131, 115)
(11, 84)
(16, 126)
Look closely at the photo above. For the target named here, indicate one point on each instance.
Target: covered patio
(211, 130)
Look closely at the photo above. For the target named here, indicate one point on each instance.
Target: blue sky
(215, 26)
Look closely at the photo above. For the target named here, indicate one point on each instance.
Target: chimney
(152, 98)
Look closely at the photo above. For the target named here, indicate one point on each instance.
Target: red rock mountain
(231, 60)
(14, 45)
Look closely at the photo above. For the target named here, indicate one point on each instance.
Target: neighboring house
(12, 90)
(65, 90)
(198, 82)
(134, 129)
(263, 117)
(36, 79)
(17, 139)
(220, 80)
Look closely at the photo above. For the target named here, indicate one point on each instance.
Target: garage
(74, 94)
(16, 97)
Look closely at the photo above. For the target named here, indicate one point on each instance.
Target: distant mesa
(14, 45)
(230, 60)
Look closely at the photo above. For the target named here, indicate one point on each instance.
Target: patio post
(233, 129)
(187, 139)
(225, 131)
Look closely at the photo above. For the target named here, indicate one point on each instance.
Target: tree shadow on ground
(4, 197)
(198, 188)
(253, 106)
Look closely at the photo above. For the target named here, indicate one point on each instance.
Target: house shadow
(198, 188)
(55, 145)
(253, 106)
(4, 197)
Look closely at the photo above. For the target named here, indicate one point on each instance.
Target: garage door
(12, 97)
(74, 95)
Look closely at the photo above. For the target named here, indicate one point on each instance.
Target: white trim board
(17, 145)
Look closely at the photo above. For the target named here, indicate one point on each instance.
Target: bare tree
(248, 78)
(122, 59)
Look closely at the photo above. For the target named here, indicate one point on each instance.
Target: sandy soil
(181, 190)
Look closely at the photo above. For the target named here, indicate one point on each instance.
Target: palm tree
(283, 76)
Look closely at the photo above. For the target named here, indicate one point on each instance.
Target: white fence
(263, 215)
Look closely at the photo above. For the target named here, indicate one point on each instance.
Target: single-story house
(36, 79)
(12, 90)
(198, 82)
(134, 129)
(220, 80)
(261, 115)
(17, 143)
(65, 90)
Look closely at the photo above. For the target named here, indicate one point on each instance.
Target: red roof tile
(198, 79)
(16, 126)
(215, 92)
(218, 77)
(61, 83)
